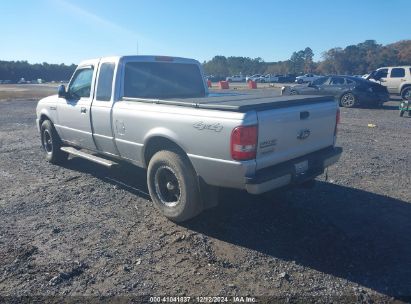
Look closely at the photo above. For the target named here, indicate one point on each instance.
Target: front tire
(51, 143)
(173, 186)
(348, 100)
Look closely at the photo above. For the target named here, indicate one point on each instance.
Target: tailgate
(290, 132)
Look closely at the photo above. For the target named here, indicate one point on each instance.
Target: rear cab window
(105, 81)
(162, 80)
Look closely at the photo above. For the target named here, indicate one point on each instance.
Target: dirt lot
(84, 230)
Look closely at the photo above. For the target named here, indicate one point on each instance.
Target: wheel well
(43, 117)
(159, 143)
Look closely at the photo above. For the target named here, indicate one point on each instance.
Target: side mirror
(62, 91)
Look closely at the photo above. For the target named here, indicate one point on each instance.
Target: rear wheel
(406, 93)
(51, 143)
(293, 92)
(348, 100)
(173, 186)
(402, 113)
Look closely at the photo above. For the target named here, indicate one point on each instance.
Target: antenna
(137, 47)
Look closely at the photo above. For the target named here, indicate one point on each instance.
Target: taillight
(337, 121)
(244, 142)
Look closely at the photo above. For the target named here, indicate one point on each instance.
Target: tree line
(15, 70)
(356, 59)
(351, 60)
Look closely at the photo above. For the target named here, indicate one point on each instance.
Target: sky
(68, 31)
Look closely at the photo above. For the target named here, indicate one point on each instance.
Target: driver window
(80, 86)
(337, 81)
(320, 81)
(382, 73)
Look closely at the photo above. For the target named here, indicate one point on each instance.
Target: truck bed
(239, 102)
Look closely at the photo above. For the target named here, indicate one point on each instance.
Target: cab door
(101, 110)
(74, 111)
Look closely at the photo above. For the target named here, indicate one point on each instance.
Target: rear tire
(401, 113)
(173, 186)
(293, 92)
(406, 93)
(348, 100)
(51, 143)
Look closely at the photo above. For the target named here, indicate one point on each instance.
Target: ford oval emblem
(303, 134)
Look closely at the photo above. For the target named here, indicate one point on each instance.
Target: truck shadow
(349, 233)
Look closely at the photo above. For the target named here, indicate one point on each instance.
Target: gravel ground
(83, 230)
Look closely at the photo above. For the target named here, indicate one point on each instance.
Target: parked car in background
(306, 78)
(269, 78)
(214, 78)
(253, 77)
(235, 78)
(286, 78)
(397, 80)
(350, 91)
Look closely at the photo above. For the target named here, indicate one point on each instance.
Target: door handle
(83, 110)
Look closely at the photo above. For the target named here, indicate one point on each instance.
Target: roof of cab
(149, 58)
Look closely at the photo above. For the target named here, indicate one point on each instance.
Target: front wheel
(173, 186)
(51, 143)
(348, 100)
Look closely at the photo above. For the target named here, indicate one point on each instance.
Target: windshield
(162, 80)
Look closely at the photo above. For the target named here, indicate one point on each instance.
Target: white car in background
(235, 78)
(396, 79)
(254, 77)
(306, 78)
(269, 78)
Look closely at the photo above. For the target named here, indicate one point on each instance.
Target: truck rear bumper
(286, 173)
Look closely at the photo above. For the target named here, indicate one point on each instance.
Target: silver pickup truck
(156, 112)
